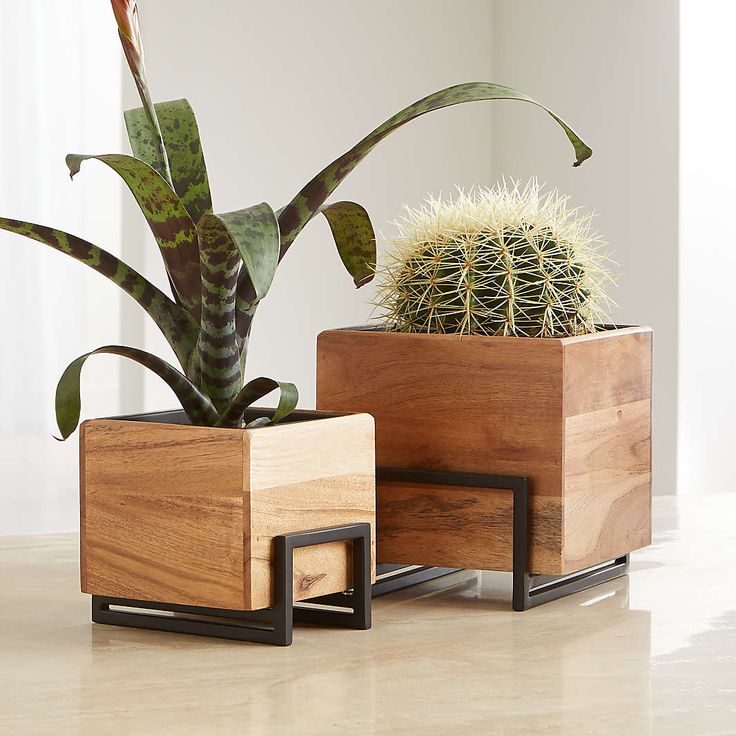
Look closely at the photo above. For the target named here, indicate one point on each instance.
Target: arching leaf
(174, 321)
(255, 233)
(308, 201)
(198, 407)
(167, 217)
(356, 243)
(255, 390)
(354, 237)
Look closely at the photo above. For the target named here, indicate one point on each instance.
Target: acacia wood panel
(168, 510)
(607, 369)
(458, 526)
(507, 406)
(162, 513)
(608, 483)
(301, 476)
(441, 402)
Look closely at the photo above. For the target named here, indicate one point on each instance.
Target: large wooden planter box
(187, 515)
(572, 414)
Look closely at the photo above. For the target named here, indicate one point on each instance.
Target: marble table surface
(651, 653)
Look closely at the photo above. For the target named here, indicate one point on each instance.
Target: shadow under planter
(572, 415)
(225, 529)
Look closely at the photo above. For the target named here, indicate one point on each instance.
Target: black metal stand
(268, 625)
(396, 577)
(528, 590)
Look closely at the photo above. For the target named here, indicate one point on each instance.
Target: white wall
(610, 68)
(280, 90)
(60, 89)
(707, 249)
(274, 107)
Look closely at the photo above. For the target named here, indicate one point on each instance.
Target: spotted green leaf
(354, 237)
(255, 233)
(255, 390)
(175, 322)
(308, 201)
(183, 147)
(129, 30)
(167, 217)
(198, 407)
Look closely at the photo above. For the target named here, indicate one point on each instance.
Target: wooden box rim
(152, 417)
(608, 332)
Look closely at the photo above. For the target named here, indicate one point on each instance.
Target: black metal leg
(269, 625)
(552, 588)
(357, 600)
(526, 593)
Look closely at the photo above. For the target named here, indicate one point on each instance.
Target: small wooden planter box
(187, 515)
(572, 414)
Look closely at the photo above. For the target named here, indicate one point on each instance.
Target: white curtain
(60, 92)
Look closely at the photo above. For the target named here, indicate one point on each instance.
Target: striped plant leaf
(253, 391)
(129, 30)
(356, 243)
(354, 237)
(184, 149)
(175, 323)
(255, 233)
(167, 217)
(218, 347)
(258, 422)
(308, 201)
(198, 407)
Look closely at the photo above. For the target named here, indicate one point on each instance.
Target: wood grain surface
(509, 406)
(182, 514)
(455, 526)
(307, 475)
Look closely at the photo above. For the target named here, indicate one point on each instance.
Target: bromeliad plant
(220, 266)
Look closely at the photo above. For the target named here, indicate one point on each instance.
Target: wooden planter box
(186, 515)
(572, 414)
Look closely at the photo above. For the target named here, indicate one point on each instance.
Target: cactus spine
(500, 261)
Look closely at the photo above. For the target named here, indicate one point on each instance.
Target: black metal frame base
(396, 577)
(529, 590)
(268, 625)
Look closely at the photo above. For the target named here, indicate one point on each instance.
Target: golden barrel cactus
(500, 261)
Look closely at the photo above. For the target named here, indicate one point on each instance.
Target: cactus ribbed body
(502, 261)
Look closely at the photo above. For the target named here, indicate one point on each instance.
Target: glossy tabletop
(651, 653)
